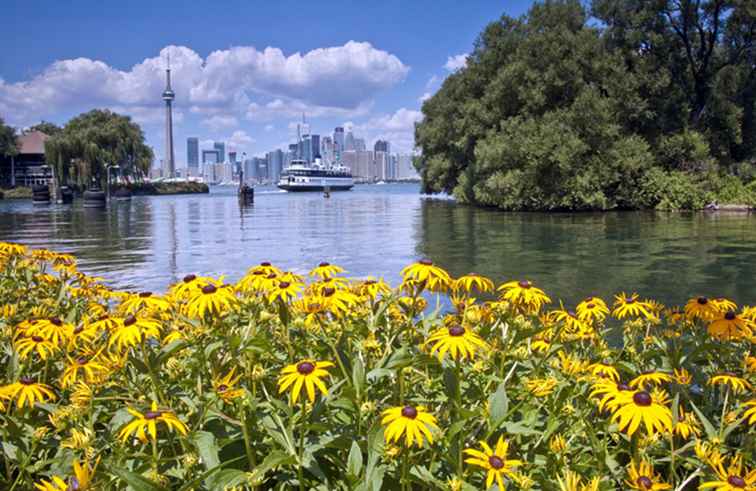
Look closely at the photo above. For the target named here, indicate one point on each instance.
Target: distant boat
(301, 177)
(381, 182)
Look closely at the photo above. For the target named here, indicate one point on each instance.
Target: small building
(28, 167)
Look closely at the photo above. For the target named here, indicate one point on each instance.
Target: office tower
(221, 148)
(210, 157)
(192, 153)
(232, 157)
(314, 147)
(349, 141)
(250, 171)
(338, 142)
(382, 146)
(274, 164)
(359, 144)
(405, 169)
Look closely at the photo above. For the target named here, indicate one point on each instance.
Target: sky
(243, 72)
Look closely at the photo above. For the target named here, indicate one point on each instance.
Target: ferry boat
(301, 177)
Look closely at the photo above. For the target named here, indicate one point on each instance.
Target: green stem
(458, 414)
(724, 412)
(247, 441)
(155, 454)
(303, 429)
(403, 480)
(153, 375)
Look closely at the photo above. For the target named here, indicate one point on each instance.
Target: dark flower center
(324, 264)
(327, 292)
(591, 305)
(145, 294)
(129, 321)
(284, 285)
(730, 316)
(409, 412)
(370, 282)
(571, 313)
(222, 388)
(73, 484)
(736, 481)
(271, 276)
(26, 380)
(629, 300)
(702, 300)
(258, 273)
(496, 462)
(426, 262)
(37, 339)
(78, 330)
(642, 398)
(524, 284)
(189, 278)
(623, 387)
(305, 368)
(456, 331)
(644, 482)
(209, 289)
(56, 321)
(104, 317)
(81, 361)
(152, 414)
(265, 264)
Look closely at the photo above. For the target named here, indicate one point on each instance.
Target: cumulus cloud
(342, 77)
(219, 122)
(424, 97)
(290, 108)
(398, 128)
(454, 63)
(240, 140)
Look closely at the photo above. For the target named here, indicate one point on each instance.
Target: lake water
(150, 242)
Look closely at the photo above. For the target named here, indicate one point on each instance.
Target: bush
(673, 190)
(687, 150)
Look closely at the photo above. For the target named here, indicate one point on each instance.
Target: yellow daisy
(643, 478)
(215, 298)
(27, 392)
(495, 462)
(634, 408)
(458, 341)
(525, 295)
(326, 270)
(592, 309)
(146, 423)
(307, 374)
(473, 282)
(425, 275)
(738, 384)
(414, 422)
(630, 306)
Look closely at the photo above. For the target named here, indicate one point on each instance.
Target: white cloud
(454, 63)
(424, 97)
(289, 108)
(269, 128)
(398, 128)
(433, 82)
(239, 140)
(342, 77)
(219, 122)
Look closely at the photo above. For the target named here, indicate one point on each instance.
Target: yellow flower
(91, 368)
(43, 347)
(284, 291)
(573, 482)
(701, 308)
(189, 285)
(471, 282)
(730, 326)
(132, 331)
(224, 386)
(541, 387)
(686, 424)
(650, 378)
(80, 481)
(326, 270)
(602, 370)
(572, 323)
(495, 462)
(144, 300)
(630, 306)
(643, 478)
(634, 408)
(424, 275)
(682, 376)
(79, 439)
(525, 295)
(307, 374)
(724, 304)
(26, 392)
(52, 329)
(737, 384)
(215, 298)
(557, 444)
(372, 287)
(749, 414)
(147, 423)
(414, 422)
(571, 365)
(750, 363)
(734, 478)
(592, 309)
(460, 342)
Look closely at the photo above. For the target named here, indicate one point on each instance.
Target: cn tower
(169, 166)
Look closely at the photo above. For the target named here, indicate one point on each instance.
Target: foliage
(7, 140)
(551, 391)
(46, 127)
(556, 112)
(93, 141)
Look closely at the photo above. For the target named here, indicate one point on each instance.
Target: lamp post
(108, 176)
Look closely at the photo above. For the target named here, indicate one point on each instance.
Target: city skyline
(246, 87)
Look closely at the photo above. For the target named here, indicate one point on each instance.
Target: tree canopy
(93, 141)
(8, 146)
(647, 107)
(46, 127)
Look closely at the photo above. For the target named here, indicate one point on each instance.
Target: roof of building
(32, 142)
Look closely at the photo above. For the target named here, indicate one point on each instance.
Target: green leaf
(207, 448)
(136, 482)
(354, 461)
(358, 376)
(711, 432)
(498, 405)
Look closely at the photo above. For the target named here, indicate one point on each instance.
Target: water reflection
(149, 242)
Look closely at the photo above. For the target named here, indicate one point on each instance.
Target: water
(150, 242)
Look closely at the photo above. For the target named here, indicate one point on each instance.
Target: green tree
(7, 140)
(91, 142)
(46, 127)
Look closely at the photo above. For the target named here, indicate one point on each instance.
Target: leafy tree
(46, 127)
(7, 140)
(92, 141)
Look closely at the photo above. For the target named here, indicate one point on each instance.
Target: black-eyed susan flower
(541, 387)
(81, 480)
(460, 342)
(737, 384)
(307, 374)
(682, 376)
(52, 329)
(472, 282)
(284, 291)
(734, 478)
(215, 298)
(750, 363)
(326, 270)
(630, 306)
(27, 392)
(131, 331)
(592, 309)
(425, 275)
(749, 415)
(226, 388)
(525, 295)
(35, 344)
(572, 481)
(572, 323)
(643, 477)
(650, 378)
(84, 368)
(373, 287)
(730, 326)
(633, 408)
(146, 423)
(189, 285)
(686, 424)
(494, 462)
(602, 370)
(701, 308)
(335, 300)
(724, 304)
(414, 422)
(143, 300)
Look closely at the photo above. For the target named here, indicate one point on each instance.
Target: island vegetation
(277, 382)
(613, 104)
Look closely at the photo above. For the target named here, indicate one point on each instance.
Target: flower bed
(281, 382)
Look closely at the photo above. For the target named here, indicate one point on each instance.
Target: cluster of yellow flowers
(104, 389)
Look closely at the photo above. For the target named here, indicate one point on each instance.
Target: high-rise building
(192, 152)
(232, 157)
(293, 151)
(210, 157)
(338, 142)
(326, 150)
(169, 165)
(314, 147)
(359, 144)
(221, 148)
(382, 146)
(405, 170)
(250, 171)
(349, 141)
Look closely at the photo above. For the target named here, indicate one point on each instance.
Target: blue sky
(243, 70)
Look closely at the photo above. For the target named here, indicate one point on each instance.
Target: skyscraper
(382, 146)
(169, 165)
(338, 142)
(275, 164)
(349, 141)
(221, 148)
(314, 147)
(192, 152)
(359, 144)
(210, 157)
